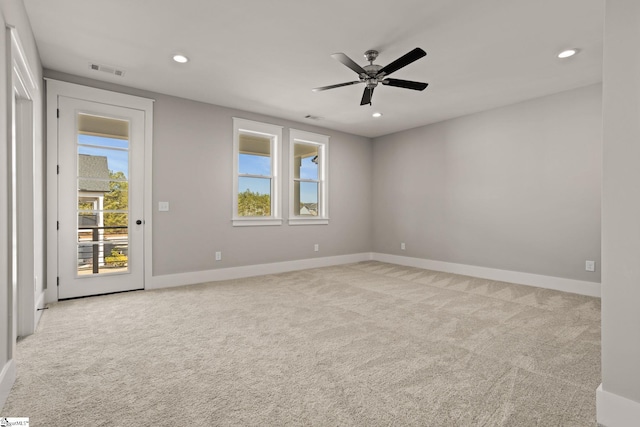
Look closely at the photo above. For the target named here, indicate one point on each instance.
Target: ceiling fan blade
(366, 96)
(407, 84)
(349, 63)
(403, 61)
(319, 89)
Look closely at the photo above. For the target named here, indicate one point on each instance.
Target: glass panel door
(103, 195)
(100, 198)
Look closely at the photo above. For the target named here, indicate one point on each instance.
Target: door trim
(56, 88)
(23, 94)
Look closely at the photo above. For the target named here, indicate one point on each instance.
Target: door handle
(139, 222)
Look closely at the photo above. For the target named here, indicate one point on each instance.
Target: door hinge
(58, 169)
(57, 225)
(58, 113)
(58, 281)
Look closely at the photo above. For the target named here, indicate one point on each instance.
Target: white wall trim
(7, 378)
(540, 281)
(24, 89)
(616, 411)
(181, 279)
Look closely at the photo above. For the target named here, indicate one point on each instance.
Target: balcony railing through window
(103, 249)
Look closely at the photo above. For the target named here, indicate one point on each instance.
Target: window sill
(308, 221)
(255, 222)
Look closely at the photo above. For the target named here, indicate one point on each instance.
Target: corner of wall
(580, 287)
(616, 411)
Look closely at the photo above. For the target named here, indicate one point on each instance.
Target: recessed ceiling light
(376, 115)
(180, 58)
(567, 53)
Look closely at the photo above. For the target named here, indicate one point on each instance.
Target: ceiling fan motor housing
(373, 74)
(372, 78)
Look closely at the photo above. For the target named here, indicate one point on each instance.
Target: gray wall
(192, 170)
(514, 188)
(621, 201)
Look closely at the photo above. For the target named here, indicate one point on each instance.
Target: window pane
(117, 199)
(254, 165)
(114, 194)
(103, 256)
(105, 131)
(87, 204)
(116, 223)
(305, 161)
(254, 196)
(255, 155)
(102, 141)
(307, 193)
(103, 163)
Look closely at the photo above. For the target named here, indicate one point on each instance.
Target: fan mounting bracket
(371, 55)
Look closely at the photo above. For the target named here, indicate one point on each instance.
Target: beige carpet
(367, 344)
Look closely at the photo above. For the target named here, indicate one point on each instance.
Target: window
(256, 193)
(309, 154)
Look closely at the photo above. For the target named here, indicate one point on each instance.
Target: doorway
(100, 170)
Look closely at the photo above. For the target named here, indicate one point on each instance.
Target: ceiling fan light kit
(373, 74)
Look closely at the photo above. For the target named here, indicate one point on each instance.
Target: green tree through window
(254, 204)
(117, 199)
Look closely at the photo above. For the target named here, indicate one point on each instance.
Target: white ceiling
(266, 56)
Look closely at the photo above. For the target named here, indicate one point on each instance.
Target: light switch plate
(163, 206)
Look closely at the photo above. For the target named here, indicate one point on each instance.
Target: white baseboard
(7, 378)
(616, 411)
(181, 279)
(540, 281)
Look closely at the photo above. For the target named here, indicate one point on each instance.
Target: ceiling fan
(373, 74)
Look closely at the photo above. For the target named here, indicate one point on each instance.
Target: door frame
(26, 227)
(56, 88)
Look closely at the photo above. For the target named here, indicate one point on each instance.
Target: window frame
(274, 133)
(322, 142)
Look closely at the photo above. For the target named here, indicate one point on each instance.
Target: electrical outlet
(316, 247)
(218, 256)
(590, 266)
(403, 247)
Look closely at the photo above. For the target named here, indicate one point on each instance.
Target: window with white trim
(308, 186)
(256, 172)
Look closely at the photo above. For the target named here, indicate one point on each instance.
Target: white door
(100, 198)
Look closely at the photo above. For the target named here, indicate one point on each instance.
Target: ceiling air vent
(106, 69)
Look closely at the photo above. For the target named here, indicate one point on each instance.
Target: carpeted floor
(367, 344)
